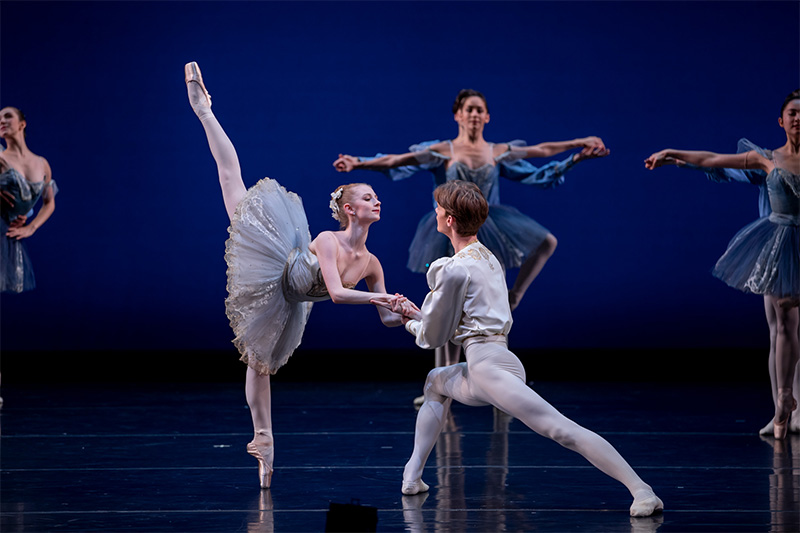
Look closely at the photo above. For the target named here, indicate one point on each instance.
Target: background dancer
(764, 257)
(515, 239)
(24, 178)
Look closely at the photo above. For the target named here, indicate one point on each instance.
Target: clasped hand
(397, 303)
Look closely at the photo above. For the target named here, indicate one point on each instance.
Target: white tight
(257, 386)
(493, 375)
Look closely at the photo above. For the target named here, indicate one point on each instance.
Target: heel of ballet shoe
(414, 487)
(264, 456)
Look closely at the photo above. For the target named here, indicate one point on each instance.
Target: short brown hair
(464, 201)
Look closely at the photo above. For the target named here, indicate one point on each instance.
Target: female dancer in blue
(515, 239)
(758, 178)
(275, 270)
(764, 257)
(467, 304)
(24, 178)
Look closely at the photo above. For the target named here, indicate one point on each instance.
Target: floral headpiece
(335, 196)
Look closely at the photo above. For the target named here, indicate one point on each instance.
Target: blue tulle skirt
(509, 234)
(764, 258)
(16, 271)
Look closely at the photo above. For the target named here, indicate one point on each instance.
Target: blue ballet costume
(16, 272)
(764, 256)
(509, 234)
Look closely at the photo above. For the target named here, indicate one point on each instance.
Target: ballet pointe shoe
(264, 454)
(646, 503)
(414, 487)
(200, 100)
(785, 404)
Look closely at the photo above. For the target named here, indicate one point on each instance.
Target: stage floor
(171, 457)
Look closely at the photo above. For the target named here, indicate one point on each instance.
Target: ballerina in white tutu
(275, 270)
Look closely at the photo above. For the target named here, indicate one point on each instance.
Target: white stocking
(493, 375)
(258, 393)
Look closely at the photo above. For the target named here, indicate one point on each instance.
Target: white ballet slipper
(414, 487)
(646, 503)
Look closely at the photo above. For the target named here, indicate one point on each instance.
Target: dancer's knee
(548, 246)
(433, 385)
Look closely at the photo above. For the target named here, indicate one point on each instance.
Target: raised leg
(259, 399)
(530, 269)
(230, 173)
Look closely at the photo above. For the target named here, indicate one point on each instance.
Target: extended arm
(375, 282)
(747, 160)
(441, 312)
(48, 207)
(591, 147)
(326, 249)
(347, 163)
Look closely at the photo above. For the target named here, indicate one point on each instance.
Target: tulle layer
(268, 231)
(509, 234)
(763, 258)
(16, 271)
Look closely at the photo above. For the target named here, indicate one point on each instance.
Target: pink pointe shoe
(198, 99)
(264, 454)
(785, 398)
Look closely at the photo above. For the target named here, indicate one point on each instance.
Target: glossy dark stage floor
(171, 457)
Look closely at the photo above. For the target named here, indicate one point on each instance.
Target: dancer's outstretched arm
(746, 160)
(347, 163)
(591, 147)
(326, 250)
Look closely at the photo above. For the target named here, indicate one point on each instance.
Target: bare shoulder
(440, 147)
(324, 241)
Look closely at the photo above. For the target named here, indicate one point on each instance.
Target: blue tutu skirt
(764, 258)
(509, 234)
(16, 271)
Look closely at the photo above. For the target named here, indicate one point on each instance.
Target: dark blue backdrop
(133, 257)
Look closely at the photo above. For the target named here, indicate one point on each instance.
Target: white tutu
(272, 277)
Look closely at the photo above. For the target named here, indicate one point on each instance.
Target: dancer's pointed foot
(646, 503)
(418, 401)
(199, 98)
(414, 487)
(784, 406)
(264, 453)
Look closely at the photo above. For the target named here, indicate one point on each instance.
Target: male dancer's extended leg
(257, 386)
(494, 379)
(495, 376)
